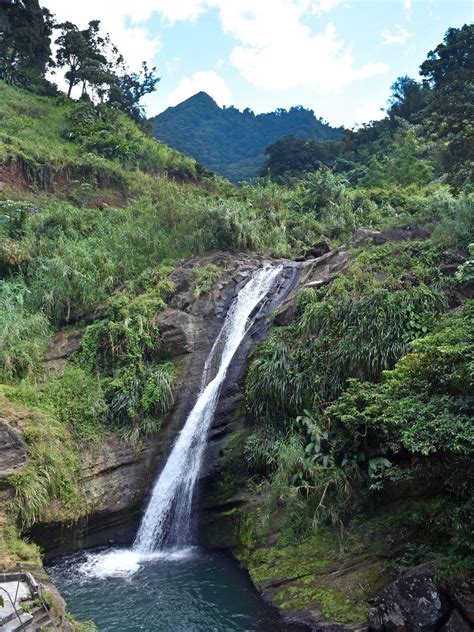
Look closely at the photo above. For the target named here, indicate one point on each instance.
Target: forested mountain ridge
(230, 142)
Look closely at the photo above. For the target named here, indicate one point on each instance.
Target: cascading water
(165, 530)
(167, 519)
(176, 587)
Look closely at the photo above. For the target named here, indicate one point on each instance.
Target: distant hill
(230, 142)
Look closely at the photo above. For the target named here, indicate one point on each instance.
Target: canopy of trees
(427, 132)
(88, 57)
(231, 142)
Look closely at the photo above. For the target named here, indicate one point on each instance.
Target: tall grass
(23, 334)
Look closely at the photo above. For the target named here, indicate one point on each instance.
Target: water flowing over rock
(167, 520)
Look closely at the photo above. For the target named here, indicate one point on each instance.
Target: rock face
(463, 597)
(411, 602)
(116, 476)
(402, 233)
(314, 273)
(456, 623)
(12, 448)
(61, 346)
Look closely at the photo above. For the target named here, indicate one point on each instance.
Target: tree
(448, 72)
(408, 98)
(25, 39)
(292, 156)
(128, 89)
(90, 58)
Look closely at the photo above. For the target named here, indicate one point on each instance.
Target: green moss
(286, 562)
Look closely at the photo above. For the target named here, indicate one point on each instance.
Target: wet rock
(456, 623)
(463, 596)
(411, 602)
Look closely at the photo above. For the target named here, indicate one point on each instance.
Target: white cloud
(367, 112)
(277, 51)
(172, 66)
(407, 4)
(322, 6)
(209, 82)
(399, 36)
(125, 21)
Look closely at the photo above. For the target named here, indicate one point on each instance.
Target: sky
(337, 57)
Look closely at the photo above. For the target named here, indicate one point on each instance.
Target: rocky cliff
(115, 475)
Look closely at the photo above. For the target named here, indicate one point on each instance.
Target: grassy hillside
(230, 142)
(58, 139)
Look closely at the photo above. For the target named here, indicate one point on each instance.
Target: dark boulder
(456, 623)
(411, 602)
(404, 233)
(463, 596)
(318, 249)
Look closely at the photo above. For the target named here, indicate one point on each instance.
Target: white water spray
(167, 520)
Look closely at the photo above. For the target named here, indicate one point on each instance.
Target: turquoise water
(192, 591)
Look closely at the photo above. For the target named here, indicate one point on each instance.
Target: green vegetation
(363, 398)
(204, 279)
(230, 142)
(427, 133)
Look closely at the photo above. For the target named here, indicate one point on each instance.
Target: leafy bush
(77, 400)
(204, 279)
(122, 350)
(326, 463)
(50, 474)
(106, 131)
(14, 216)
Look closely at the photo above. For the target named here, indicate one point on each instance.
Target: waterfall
(167, 519)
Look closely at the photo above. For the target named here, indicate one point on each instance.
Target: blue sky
(338, 57)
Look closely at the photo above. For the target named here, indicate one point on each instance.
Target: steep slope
(230, 142)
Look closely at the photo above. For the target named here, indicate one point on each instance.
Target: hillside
(230, 142)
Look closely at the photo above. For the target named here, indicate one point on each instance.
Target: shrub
(204, 279)
(50, 474)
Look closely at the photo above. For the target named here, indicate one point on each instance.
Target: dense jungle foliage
(365, 397)
(232, 143)
(427, 133)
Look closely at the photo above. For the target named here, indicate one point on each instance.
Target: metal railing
(35, 588)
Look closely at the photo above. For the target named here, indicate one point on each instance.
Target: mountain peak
(201, 98)
(230, 142)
